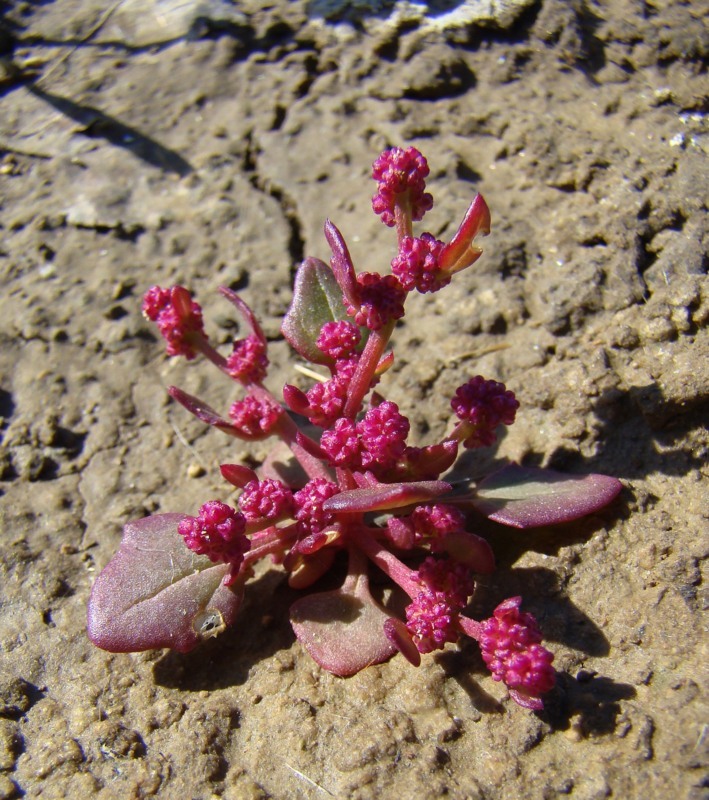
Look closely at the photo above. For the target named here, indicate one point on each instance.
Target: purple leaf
(155, 592)
(204, 412)
(317, 299)
(245, 311)
(524, 497)
(461, 251)
(343, 630)
(469, 549)
(341, 263)
(396, 632)
(386, 496)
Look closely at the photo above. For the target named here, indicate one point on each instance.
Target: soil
(157, 142)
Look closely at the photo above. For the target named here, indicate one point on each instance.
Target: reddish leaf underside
(317, 299)
(525, 497)
(386, 496)
(155, 592)
(343, 630)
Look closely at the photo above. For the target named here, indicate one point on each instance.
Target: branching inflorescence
(357, 488)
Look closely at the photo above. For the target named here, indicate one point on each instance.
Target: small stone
(196, 471)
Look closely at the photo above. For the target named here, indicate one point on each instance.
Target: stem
(402, 214)
(388, 563)
(202, 344)
(470, 627)
(268, 541)
(366, 368)
(356, 570)
(288, 430)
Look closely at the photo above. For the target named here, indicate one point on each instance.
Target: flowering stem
(366, 368)
(288, 432)
(268, 541)
(470, 627)
(201, 343)
(356, 569)
(402, 214)
(388, 563)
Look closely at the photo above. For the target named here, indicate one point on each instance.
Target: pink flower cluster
(483, 405)
(178, 318)
(255, 418)
(248, 361)
(432, 617)
(311, 516)
(216, 532)
(375, 442)
(267, 499)
(417, 265)
(401, 175)
(380, 300)
(511, 649)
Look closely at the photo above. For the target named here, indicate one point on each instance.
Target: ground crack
(288, 205)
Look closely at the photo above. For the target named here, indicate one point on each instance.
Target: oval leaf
(524, 497)
(155, 592)
(317, 299)
(343, 630)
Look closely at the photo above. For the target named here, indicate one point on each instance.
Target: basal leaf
(155, 592)
(524, 497)
(343, 630)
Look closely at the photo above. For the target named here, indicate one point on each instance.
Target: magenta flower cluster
(357, 493)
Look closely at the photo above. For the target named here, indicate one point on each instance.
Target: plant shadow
(261, 630)
(98, 125)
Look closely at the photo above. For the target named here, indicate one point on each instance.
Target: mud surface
(161, 142)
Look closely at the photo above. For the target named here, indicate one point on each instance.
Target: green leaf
(317, 299)
(524, 497)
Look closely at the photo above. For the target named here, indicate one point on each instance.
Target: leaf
(203, 411)
(245, 312)
(462, 251)
(524, 497)
(469, 549)
(155, 592)
(343, 630)
(341, 263)
(386, 496)
(317, 299)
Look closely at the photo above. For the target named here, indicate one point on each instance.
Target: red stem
(388, 563)
(470, 627)
(268, 541)
(402, 215)
(366, 368)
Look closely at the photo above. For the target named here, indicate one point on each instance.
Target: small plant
(355, 489)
